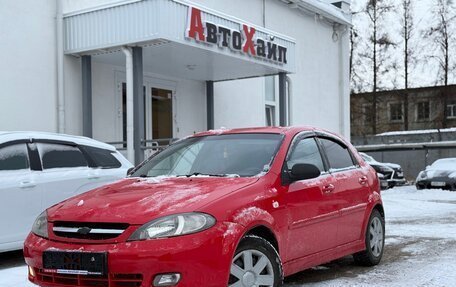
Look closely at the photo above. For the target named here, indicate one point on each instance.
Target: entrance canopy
(179, 39)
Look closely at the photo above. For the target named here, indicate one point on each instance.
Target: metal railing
(152, 144)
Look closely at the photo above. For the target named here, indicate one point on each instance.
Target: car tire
(265, 267)
(375, 241)
(418, 187)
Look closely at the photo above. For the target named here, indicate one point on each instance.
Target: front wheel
(375, 241)
(255, 263)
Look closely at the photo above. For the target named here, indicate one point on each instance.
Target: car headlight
(423, 175)
(40, 226)
(174, 225)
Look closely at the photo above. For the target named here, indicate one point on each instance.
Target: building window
(451, 111)
(396, 111)
(270, 100)
(423, 111)
(367, 113)
(270, 116)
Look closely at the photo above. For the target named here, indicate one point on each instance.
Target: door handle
(328, 188)
(27, 184)
(362, 180)
(93, 176)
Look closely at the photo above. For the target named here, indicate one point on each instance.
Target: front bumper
(432, 184)
(201, 259)
(396, 182)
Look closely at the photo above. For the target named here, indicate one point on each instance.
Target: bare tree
(356, 80)
(379, 42)
(407, 32)
(442, 34)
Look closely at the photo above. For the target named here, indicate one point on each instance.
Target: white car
(38, 170)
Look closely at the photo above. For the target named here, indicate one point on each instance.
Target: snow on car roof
(6, 136)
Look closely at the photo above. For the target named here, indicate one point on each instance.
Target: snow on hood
(392, 165)
(137, 201)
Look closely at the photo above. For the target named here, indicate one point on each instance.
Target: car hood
(392, 165)
(137, 201)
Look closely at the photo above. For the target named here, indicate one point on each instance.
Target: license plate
(438, 183)
(78, 263)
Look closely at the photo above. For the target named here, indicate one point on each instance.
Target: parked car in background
(390, 174)
(441, 174)
(231, 208)
(38, 170)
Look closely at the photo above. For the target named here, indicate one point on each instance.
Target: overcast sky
(426, 72)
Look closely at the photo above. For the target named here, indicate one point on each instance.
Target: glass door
(158, 112)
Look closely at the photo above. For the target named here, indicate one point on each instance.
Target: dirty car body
(240, 207)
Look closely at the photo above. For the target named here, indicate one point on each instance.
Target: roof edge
(326, 10)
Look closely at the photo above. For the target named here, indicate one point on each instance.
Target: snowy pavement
(420, 248)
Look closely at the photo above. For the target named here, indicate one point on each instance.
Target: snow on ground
(415, 132)
(420, 248)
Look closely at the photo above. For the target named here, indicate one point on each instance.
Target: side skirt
(303, 263)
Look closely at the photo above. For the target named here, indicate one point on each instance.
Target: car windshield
(444, 164)
(217, 155)
(367, 158)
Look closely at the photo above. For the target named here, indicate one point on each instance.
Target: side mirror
(302, 171)
(130, 170)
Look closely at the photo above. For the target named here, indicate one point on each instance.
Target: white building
(202, 64)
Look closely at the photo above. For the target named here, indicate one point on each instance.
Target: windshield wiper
(209, 174)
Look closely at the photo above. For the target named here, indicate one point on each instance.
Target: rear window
(14, 157)
(101, 157)
(60, 156)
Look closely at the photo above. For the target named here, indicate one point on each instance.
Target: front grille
(388, 175)
(398, 174)
(89, 231)
(112, 280)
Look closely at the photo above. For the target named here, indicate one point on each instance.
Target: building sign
(244, 40)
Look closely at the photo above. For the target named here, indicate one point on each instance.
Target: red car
(241, 207)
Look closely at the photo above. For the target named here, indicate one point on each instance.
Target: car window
(14, 157)
(306, 151)
(222, 155)
(338, 155)
(60, 156)
(102, 158)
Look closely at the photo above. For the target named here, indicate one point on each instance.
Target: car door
(20, 196)
(65, 171)
(351, 189)
(310, 204)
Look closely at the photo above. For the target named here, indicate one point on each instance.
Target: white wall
(318, 98)
(28, 65)
(189, 104)
(28, 97)
(69, 6)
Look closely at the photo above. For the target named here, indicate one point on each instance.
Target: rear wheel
(375, 241)
(256, 263)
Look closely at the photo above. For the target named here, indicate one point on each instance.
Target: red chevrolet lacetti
(242, 207)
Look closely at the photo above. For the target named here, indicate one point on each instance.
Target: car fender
(374, 200)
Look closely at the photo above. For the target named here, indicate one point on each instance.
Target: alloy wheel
(376, 236)
(251, 268)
